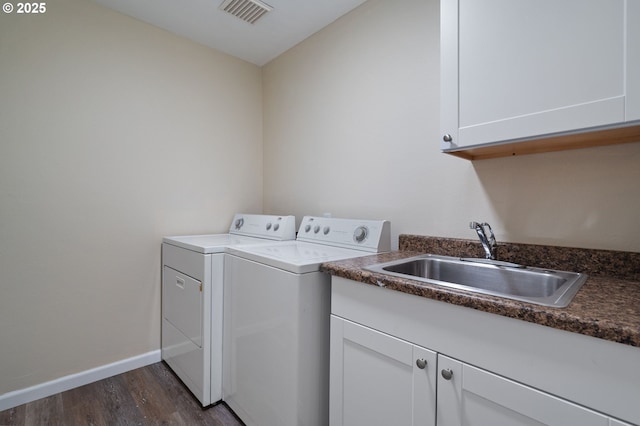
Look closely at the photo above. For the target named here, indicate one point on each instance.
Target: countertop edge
(590, 313)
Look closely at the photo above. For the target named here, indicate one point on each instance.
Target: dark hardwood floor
(150, 395)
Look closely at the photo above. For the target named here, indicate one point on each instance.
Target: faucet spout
(489, 243)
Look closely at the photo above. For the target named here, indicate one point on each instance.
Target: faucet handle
(488, 242)
(492, 237)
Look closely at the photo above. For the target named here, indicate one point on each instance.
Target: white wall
(352, 128)
(113, 134)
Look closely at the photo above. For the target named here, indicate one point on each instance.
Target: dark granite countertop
(607, 306)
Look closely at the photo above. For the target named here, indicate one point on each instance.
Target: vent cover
(247, 10)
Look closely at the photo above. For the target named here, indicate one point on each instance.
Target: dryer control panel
(368, 235)
(272, 227)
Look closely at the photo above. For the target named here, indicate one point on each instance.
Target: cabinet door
(614, 422)
(377, 379)
(473, 397)
(519, 69)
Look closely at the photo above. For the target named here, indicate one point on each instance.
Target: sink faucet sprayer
(488, 243)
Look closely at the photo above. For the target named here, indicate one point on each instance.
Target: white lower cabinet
(377, 379)
(470, 396)
(613, 422)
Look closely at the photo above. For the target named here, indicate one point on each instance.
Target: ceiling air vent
(247, 10)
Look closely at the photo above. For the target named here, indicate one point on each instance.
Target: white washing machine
(192, 298)
(276, 320)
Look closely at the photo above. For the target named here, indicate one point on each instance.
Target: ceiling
(203, 21)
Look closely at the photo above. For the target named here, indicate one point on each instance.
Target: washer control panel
(367, 235)
(264, 226)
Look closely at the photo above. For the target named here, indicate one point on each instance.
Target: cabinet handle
(447, 138)
(447, 374)
(421, 363)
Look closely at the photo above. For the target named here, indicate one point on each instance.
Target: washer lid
(295, 256)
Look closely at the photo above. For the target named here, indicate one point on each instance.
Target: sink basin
(534, 285)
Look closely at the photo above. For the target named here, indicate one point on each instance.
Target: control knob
(239, 223)
(360, 234)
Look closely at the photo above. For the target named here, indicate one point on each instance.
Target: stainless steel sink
(534, 285)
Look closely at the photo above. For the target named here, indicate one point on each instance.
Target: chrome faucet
(488, 243)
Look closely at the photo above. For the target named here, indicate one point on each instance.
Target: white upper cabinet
(530, 69)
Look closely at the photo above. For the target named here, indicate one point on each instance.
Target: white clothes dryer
(192, 298)
(276, 320)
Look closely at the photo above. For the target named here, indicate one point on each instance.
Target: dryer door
(182, 303)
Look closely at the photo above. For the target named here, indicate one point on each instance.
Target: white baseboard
(22, 396)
